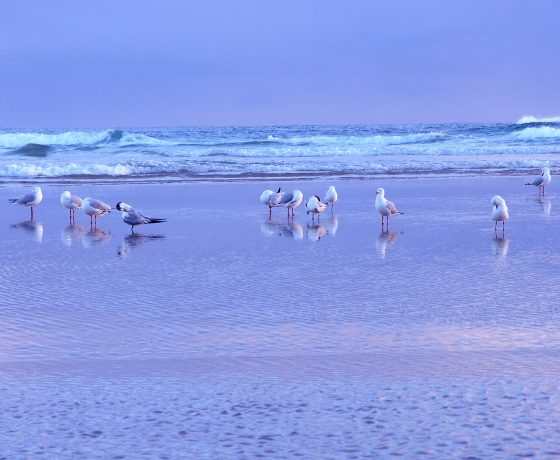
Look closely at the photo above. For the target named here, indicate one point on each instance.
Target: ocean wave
(530, 119)
(358, 167)
(538, 133)
(17, 140)
(375, 140)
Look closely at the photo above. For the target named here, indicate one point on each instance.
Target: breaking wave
(530, 119)
(292, 150)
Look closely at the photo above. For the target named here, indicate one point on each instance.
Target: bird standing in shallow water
(500, 212)
(31, 199)
(385, 207)
(132, 217)
(93, 208)
(271, 199)
(331, 196)
(314, 206)
(292, 200)
(542, 181)
(71, 202)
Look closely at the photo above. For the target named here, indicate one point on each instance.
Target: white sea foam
(530, 119)
(537, 133)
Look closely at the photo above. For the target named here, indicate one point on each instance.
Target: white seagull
(31, 199)
(314, 206)
(542, 181)
(132, 217)
(93, 208)
(500, 211)
(385, 207)
(271, 199)
(331, 196)
(71, 202)
(292, 200)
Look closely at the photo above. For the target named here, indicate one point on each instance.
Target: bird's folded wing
(391, 207)
(26, 199)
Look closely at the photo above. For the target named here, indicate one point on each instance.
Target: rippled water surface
(224, 334)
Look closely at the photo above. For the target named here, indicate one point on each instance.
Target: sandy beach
(223, 334)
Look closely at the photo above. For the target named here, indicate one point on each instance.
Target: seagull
(331, 196)
(500, 212)
(385, 207)
(292, 200)
(132, 217)
(31, 199)
(71, 202)
(93, 208)
(542, 181)
(314, 206)
(271, 199)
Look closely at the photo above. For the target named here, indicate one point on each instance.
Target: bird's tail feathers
(12, 200)
(157, 221)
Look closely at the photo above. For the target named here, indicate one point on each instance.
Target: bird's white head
(36, 189)
(66, 194)
(497, 200)
(546, 170)
(380, 191)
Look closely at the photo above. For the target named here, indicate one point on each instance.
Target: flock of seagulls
(92, 207)
(95, 208)
(386, 208)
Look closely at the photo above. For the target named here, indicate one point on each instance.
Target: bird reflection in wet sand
(31, 227)
(385, 240)
(291, 229)
(546, 205)
(132, 241)
(501, 248)
(332, 225)
(71, 234)
(316, 231)
(95, 236)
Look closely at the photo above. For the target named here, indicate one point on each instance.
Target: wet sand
(224, 334)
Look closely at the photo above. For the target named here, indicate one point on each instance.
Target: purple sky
(72, 63)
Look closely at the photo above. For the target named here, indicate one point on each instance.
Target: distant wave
(16, 140)
(530, 119)
(360, 167)
(33, 150)
(377, 140)
(538, 133)
(78, 139)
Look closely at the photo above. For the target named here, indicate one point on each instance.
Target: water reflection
(95, 237)
(501, 247)
(384, 241)
(72, 233)
(133, 241)
(31, 227)
(332, 225)
(290, 229)
(546, 205)
(316, 231)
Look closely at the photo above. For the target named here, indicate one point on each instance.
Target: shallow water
(435, 337)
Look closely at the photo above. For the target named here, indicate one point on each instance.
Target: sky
(123, 63)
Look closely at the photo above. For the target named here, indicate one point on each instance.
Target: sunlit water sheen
(224, 334)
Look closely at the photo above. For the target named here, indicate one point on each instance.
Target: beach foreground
(223, 334)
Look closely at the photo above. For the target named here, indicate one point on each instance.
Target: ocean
(292, 152)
